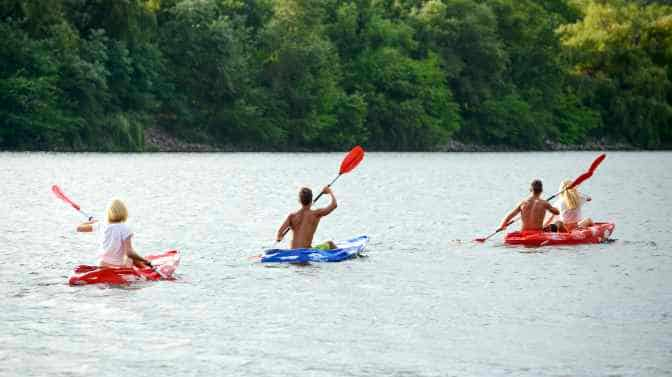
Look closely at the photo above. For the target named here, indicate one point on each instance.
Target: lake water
(425, 302)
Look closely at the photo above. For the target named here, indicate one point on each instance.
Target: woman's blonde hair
(117, 212)
(569, 196)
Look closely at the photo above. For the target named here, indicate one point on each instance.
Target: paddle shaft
(558, 193)
(88, 217)
(329, 185)
(59, 194)
(491, 234)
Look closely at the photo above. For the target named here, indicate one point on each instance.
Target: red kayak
(597, 233)
(164, 266)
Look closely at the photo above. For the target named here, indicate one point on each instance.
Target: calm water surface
(425, 302)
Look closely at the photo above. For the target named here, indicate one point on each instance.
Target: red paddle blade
(597, 162)
(59, 194)
(353, 159)
(82, 268)
(590, 171)
(580, 179)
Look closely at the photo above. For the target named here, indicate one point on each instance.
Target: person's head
(536, 187)
(305, 196)
(569, 196)
(117, 212)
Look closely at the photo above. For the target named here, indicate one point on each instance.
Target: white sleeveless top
(111, 243)
(570, 216)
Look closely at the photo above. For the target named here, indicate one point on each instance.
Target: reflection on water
(427, 301)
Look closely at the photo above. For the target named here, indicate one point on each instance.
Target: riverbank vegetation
(328, 74)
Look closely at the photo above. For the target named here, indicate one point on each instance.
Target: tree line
(328, 74)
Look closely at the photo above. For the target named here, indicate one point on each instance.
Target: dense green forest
(327, 74)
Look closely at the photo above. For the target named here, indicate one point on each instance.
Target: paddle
(580, 179)
(351, 160)
(349, 163)
(59, 194)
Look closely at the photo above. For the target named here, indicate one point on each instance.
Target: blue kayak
(346, 250)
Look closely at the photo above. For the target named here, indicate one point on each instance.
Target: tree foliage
(327, 74)
(623, 50)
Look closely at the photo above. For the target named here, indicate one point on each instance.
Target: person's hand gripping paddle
(580, 179)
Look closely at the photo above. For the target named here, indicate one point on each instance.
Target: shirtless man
(303, 222)
(532, 210)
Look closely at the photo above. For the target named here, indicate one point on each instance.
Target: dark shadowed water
(425, 302)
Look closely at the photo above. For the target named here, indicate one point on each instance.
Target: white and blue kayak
(345, 250)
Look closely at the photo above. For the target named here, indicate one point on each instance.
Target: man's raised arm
(332, 206)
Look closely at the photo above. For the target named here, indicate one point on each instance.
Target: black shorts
(553, 228)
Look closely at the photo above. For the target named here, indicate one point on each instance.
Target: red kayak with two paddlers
(533, 210)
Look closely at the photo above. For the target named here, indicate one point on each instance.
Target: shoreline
(458, 146)
(160, 141)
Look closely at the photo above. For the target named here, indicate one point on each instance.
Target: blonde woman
(116, 249)
(570, 203)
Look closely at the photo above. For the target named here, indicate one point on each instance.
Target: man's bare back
(304, 222)
(532, 210)
(532, 213)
